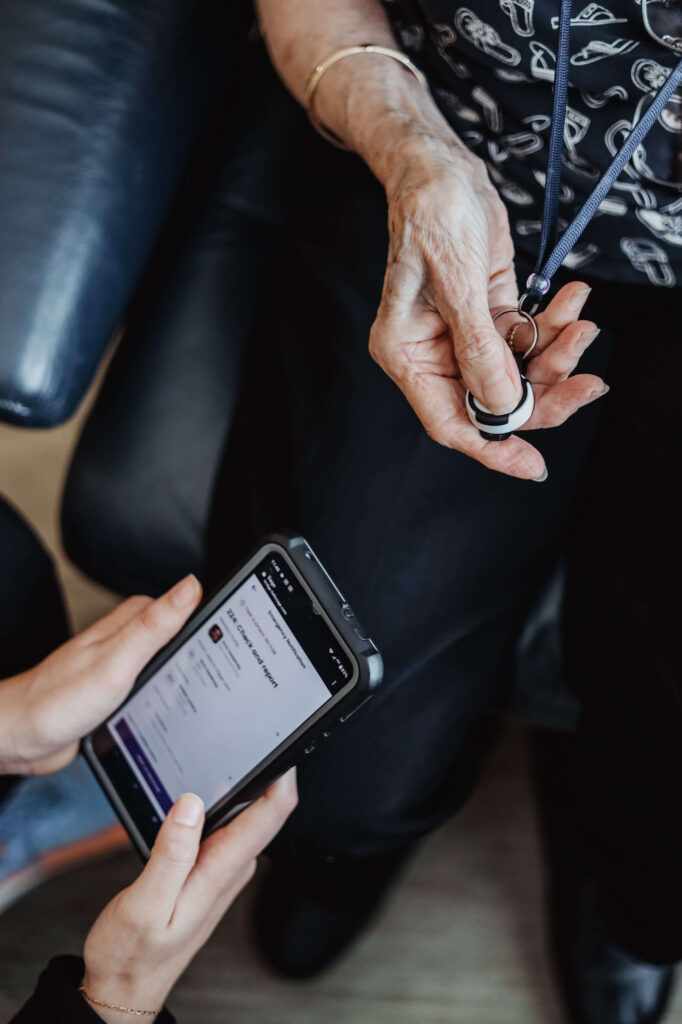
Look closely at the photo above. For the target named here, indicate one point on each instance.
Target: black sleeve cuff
(57, 1000)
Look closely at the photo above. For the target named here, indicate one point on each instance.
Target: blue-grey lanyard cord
(545, 268)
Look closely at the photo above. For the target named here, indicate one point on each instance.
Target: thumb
(153, 626)
(484, 358)
(173, 856)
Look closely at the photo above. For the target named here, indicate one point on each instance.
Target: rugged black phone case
(338, 612)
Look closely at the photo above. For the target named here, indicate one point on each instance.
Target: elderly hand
(450, 264)
(143, 940)
(46, 711)
(450, 269)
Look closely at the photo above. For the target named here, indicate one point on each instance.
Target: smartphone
(271, 662)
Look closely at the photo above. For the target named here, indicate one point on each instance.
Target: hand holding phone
(45, 711)
(145, 938)
(270, 663)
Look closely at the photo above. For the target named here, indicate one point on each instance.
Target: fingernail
(289, 780)
(599, 393)
(188, 810)
(585, 339)
(541, 479)
(185, 592)
(580, 298)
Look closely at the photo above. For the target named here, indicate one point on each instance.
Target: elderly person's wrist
(381, 112)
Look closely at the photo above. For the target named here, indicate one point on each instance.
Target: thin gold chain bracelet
(113, 1006)
(349, 51)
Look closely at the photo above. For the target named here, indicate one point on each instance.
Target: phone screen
(254, 671)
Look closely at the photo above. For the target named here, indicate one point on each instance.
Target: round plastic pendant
(499, 428)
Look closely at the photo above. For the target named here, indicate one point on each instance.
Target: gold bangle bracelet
(349, 51)
(113, 1006)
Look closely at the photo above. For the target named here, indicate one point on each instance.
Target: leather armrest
(101, 107)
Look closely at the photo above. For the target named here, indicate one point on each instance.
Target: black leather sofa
(145, 149)
(102, 106)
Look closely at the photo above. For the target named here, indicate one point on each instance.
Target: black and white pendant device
(499, 428)
(494, 427)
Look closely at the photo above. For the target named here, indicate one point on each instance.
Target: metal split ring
(510, 337)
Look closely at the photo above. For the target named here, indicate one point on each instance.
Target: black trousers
(32, 614)
(622, 625)
(441, 557)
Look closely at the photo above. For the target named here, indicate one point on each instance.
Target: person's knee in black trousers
(441, 557)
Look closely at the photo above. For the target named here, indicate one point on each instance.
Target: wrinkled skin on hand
(450, 270)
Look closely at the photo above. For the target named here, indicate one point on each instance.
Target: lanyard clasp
(537, 287)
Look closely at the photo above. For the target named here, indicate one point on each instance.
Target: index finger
(114, 621)
(563, 310)
(152, 626)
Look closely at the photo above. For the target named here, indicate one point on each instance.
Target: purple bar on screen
(138, 756)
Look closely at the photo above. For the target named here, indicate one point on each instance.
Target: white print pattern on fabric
(648, 75)
(566, 193)
(600, 49)
(593, 14)
(521, 14)
(484, 37)
(493, 115)
(596, 100)
(614, 206)
(649, 258)
(538, 122)
(543, 61)
(671, 118)
(512, 192)
(581, 254)
(666, 223)
(492, 65)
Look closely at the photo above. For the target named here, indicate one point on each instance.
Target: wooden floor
(461, 941)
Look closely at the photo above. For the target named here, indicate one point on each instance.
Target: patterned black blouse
(491, 64)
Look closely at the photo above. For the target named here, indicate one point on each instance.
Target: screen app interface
(256, 669)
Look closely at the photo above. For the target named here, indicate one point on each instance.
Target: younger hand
(45, 712)
(144, 939)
